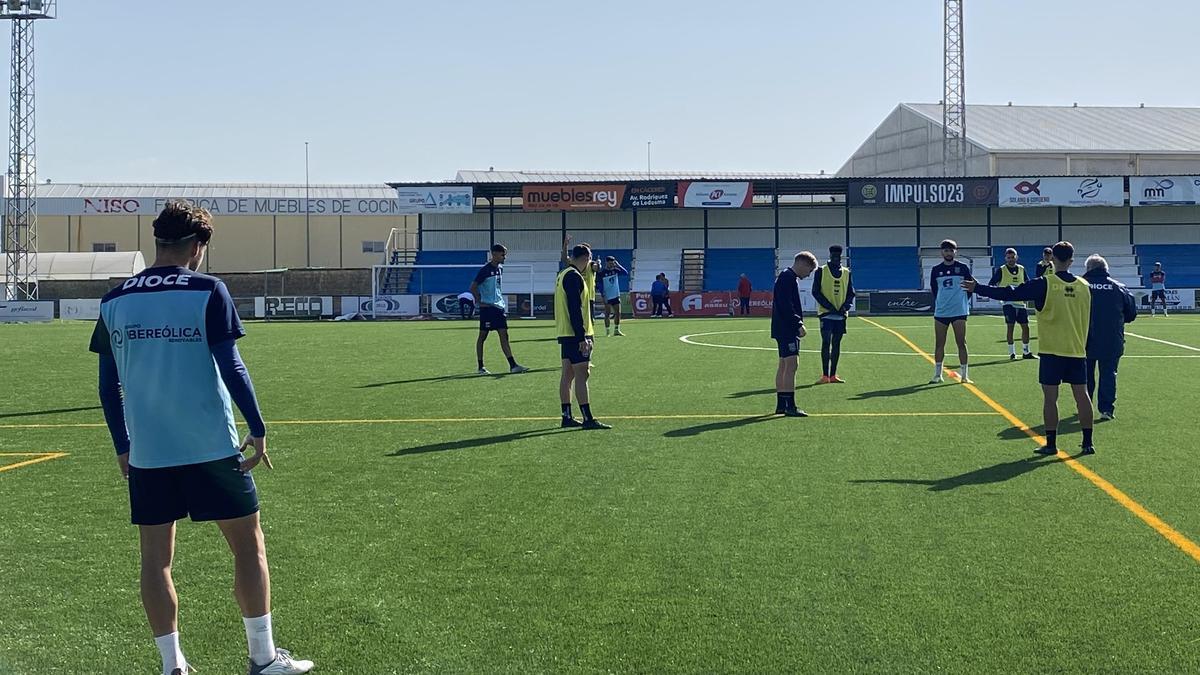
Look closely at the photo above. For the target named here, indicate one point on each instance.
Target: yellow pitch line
(38, 457)
(1169, 533)
(447, 420)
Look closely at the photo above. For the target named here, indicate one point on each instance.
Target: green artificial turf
(701, 537)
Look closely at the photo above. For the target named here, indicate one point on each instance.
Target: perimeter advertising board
(924, 192)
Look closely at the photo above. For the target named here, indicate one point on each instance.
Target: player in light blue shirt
(951, 306)
(169, 372)
(493, 308)
(610, 285)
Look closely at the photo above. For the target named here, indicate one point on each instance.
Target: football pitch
(421, 518)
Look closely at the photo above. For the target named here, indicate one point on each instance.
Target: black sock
(780, 400)
(789, 400)
(1051, 438)
(587, 411)
(481, 364)
(835, 353)
(1087, 438)
(512, 363)
(566, 410)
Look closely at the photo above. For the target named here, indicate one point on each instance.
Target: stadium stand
(648, 262)
(1180, 261)
(723, 267)
(435, 280)
(1122, 263)
(546, 265)
(885, 267)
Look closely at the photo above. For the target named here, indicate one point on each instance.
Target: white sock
(260, 639)
(1025, 346)
(1012, 349)
(962, 370)
(937, 369)
(172, 655)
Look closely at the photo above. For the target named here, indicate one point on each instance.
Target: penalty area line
(1145, 515)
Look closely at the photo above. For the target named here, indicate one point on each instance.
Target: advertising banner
(383, 305)
(543, 305)
(292, 307)
(436, 200)
(707, 195)
(653, 196)
(587, 197)
(229, 206)
(1163, 190)
(79, 310)
(707, 303)
(26, 310)
(1075, 191)
(1177, 298)
(923, 192)
(909, 302)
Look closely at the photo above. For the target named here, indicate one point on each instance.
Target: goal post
(407, 290)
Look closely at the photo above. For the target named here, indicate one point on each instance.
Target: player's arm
(566, 256)
(480, 277)
(933, 286)
(111, 401)
(818, 294)
(1034, 290)
(224, 328)
(845, 309)
(995, 278)
(797, 308)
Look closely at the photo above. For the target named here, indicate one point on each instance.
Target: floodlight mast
(20, 198)
(954, 99)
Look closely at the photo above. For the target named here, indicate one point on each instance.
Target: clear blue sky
(157, 90)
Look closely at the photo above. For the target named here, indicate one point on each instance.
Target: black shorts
(216, 490)
(1054, 370)
(615, 302)
(948, 320)
(1158, 295)
(788, 347)
(1015, 314)
(831, 327)
(570, 350)
(492, 318)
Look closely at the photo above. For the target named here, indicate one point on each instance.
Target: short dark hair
(1063, 251)
(836, 250)
(1010, 250)
(611, 258)
(499, 248)
(180, 222)
(1047, 251)
(806, 257)
(580, 250)
(950, 244)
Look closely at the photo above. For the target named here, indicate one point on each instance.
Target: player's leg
(1091, 376)
(1107, 389)
(939, 349)
(1050, 419)
(483, 334)
(252, 588)
(1023, 319)
(565, 382)
(157, 543)
(607, 318)
(960, 338)
(1010, 323)
(513, 366)
(835, 352)
(826, 348)
(583, 394)
(616, 310)
(1083, 405)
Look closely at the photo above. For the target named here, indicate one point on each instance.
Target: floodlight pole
(20, 203)
(307, 229)
(954, 99)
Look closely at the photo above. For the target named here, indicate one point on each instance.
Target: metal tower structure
(20, 199)
(954, 99)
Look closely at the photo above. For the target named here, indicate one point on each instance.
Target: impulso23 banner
(910, 192)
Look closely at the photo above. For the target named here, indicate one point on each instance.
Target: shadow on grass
(899, 391)
(451, 378)
(717, 426)
(546, 339)
(997, 473)
(993, 362)
(764, 392)
(56, 411)
(1066, 425)
(466, 443)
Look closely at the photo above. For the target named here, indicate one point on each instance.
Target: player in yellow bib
(1012, 274)
(573, 295)
(1064, 304)
(834, 293)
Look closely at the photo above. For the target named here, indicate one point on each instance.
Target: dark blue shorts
(789, 347)
(492, 318)
(948, 320)
(1054, 370)
(1014, 314)
(571, 352)
(216, 490)
(615, 302)
(831, 327)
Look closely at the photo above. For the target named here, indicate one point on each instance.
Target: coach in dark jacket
(1112, 307)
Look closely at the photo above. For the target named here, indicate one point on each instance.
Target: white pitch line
(687, 339)
(1172, 344)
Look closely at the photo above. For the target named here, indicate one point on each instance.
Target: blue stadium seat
(885, 267)
(444, 280)
(1181, 262)
(724, 266)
